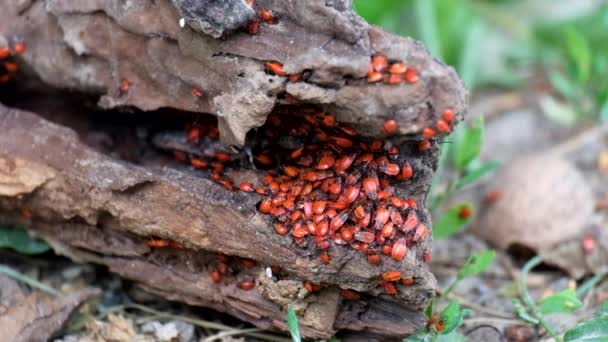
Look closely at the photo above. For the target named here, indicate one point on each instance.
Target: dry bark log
(92, 45)
(92, 203)
(98, 208)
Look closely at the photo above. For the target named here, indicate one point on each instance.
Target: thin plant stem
(194, 321)
(527, 298)
(9, 272)
(227, 333)
(589, 284)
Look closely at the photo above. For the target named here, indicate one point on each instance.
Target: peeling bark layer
(93, 45)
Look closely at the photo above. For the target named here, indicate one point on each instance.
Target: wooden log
(96, 207)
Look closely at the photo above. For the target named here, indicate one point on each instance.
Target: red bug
(280, 228)
(253, 27)
(370, 187)
(158, 243)
(588, 243)
(215, 276)
(428, 132)
(350, 294)
(465, 212)
(263, 159)
(197, 92)
(347, 233)
(338, 221)
(124, 86)
(362, 236)
(381, 217)
(379, 63)
(387, 230)
(374, 77)
(325, 258)
(389, 288)
(268, 16)
(344, 163)
(275, 68)
(397, 68)
(493, 196)
(439, 326)
(351, 193)
(265, 206)
(426, 257)
(407, 281)
(373, 259)
(421, 232)
(249, 263)
(406, 172)
(325, 163)
(26, 213)
(290, 171)
(443, 126)
(448, 115)
(393, 79)
(390, 126)
(399, 249)
(5, 52)
(387, 249)
(390, 169)
(411, 221)
(391, 276)
(411, 75)
(246, 285)
(424, 145)
(179, 155)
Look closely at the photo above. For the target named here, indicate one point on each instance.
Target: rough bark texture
(95, 207)
(92, 45)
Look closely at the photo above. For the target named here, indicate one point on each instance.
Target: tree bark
(95, 207)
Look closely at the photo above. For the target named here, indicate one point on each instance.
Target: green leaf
(594, 329)
(451, 317)
(579, 51)
(426, 20)
(564, 301)
(604, 112)
(477, 263)
(454, 336)
(450, 222)
(564, 86)
(428, 312)
(557, 111)
(20, 241)
(468, 67)
(422, 335)
(375, 12)
(468, 146)
(292, 323)
(603, 310)
(472, 176)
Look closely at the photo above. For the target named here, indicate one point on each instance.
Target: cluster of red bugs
(390, 72)
(334, 187)
(226, 265)
(389, 278)
(9, 67)
(161, 243)
(263, 15)
(324, 185)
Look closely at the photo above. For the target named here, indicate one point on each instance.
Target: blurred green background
(559, 47)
